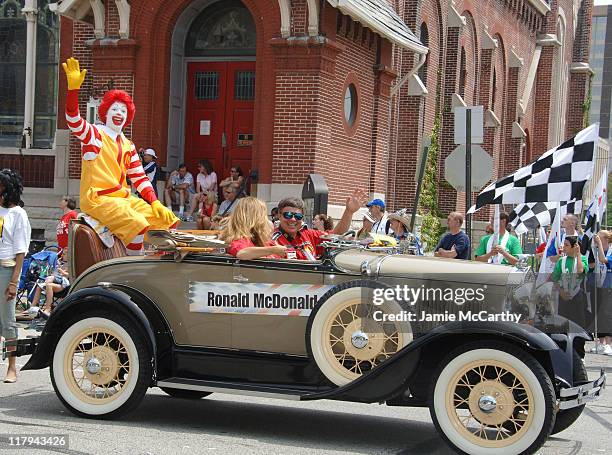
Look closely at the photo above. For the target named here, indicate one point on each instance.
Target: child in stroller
(36, 268)
(55, 286)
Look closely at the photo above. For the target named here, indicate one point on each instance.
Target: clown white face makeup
(116, 116)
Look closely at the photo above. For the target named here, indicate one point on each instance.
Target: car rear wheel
(493, 398)
(187, 394)
(101, 366)
(344, 336)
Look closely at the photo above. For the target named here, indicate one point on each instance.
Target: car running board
(234, 388)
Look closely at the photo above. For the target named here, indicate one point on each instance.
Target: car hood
(425, 267)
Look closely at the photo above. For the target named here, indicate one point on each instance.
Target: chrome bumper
(575, 396)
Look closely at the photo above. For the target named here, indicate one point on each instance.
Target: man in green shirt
(507, 249)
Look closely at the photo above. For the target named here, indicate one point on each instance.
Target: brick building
(338, 87)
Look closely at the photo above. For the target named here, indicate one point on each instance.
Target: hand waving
(356, 200)
(74, 74)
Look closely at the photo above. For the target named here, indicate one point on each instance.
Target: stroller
(36, 267)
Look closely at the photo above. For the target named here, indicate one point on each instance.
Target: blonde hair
(606, 234)
(249, 219)
(211, 197)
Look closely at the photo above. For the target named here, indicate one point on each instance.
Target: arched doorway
(219, 56)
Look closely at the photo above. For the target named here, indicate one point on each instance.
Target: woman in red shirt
(249, 231)
(208, 209)
(68, 206)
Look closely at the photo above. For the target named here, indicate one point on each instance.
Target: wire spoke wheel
(349, 336)
(490, 397)
(101, 365)
(97, 365)
(357, 341)
(490, 402)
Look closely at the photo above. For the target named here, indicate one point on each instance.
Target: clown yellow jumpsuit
(105, 194)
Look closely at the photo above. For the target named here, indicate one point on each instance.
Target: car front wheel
(101, 366)
(493, 398)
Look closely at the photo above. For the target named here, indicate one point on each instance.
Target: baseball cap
(378, 202)
(150, 152)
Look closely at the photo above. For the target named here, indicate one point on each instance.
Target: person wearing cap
(150, 167)
(382, 223)
(367, 225)
(455, 244)
(400, 225)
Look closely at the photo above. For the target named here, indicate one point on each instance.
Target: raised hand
(356, 200)
(74, 74)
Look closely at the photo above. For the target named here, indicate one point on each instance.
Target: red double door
(219, 122)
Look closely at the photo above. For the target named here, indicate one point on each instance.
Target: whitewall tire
(101, 366)
(345, 336)
(494, 399)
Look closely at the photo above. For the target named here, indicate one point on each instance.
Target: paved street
(240, 425)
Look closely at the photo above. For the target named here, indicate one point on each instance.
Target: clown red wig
(116, 96)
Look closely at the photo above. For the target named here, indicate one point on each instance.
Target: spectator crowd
(252, 232)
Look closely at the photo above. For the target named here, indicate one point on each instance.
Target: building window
(351, 108)
(12, 74)
(350, 104)
(206, 85)
(224, 28)
(493, 90)
(425, 41)
(462, 73)
(244, 85)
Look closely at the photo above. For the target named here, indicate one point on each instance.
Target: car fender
(95, 297)
(393, 376)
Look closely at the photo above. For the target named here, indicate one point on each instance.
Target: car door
(282, 294)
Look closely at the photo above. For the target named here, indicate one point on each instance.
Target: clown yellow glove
(74, 75)
(163, 213)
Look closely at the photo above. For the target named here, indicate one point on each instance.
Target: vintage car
(193, 320)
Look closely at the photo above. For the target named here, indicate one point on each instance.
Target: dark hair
(238, 170)
(13, 187)
(572, 239)
(328, 222)
(182, 165)
(504, 216)
(70, 202)
(291, 202)
(206, 165)
(274, 211)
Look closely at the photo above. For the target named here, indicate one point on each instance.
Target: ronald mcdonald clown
(108, 159)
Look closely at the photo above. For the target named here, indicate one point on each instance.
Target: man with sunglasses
(294, 232)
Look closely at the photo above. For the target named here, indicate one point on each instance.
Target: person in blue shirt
(455, 244)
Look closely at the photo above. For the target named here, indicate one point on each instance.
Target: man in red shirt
(293, 232)
(68, 206)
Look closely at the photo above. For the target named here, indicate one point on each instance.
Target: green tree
(431, 228)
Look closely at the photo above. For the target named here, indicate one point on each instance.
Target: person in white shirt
(180, 182)
(206, 181)
(382, 224)
(15, 235)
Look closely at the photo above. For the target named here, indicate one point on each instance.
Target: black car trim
(62, 313)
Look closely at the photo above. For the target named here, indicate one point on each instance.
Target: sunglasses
(288, 215)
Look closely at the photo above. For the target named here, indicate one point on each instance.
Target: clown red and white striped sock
(135, 247)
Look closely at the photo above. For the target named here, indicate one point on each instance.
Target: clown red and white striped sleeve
(139, 178)
(88, 134)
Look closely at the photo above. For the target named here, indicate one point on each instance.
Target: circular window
(350, 104)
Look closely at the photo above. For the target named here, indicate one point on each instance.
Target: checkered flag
(526, 217)
(595, 212)
(558, 175)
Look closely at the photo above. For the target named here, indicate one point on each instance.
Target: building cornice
(541, 6)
